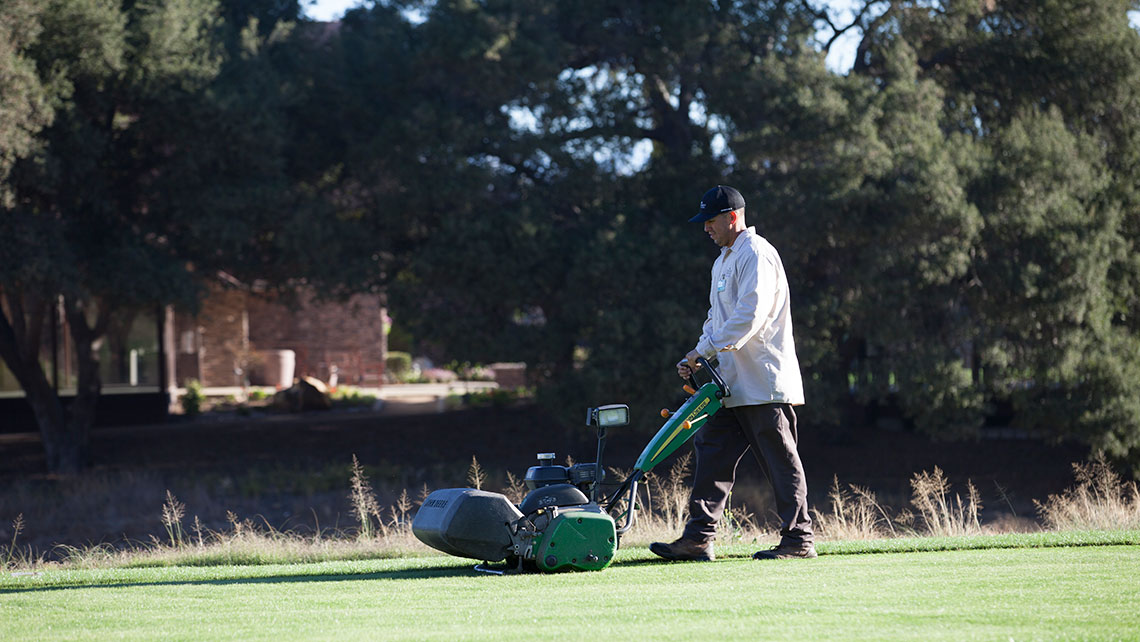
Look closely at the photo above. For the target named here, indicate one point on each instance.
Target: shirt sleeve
(756, 292)
(705, 345)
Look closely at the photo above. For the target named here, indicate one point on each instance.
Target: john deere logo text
(687, 424)
(696, 411)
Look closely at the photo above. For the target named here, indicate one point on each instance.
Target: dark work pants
(769, 430)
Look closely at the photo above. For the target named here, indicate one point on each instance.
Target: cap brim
(701, 218)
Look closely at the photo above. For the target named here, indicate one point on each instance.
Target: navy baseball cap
(718, 200)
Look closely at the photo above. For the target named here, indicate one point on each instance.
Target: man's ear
(734, 217)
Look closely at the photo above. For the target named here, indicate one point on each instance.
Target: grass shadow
(403, 574)
(443, 571)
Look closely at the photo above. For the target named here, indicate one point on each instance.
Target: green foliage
(1044, 303)
(349, 396)
(468, 371)
(159, 164)
(498, 397)
(192, 399)
(398, 364)
(956, 215)
(24, 100)
(959, 215)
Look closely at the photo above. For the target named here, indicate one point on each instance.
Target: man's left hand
(689, 364)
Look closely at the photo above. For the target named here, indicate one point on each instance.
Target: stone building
(240, 337)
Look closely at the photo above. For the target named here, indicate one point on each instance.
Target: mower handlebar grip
(713, 374)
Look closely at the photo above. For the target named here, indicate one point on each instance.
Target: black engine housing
(552, 495)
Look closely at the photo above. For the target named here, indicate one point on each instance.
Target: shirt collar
(740, 238)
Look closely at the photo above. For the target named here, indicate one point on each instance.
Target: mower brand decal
(697, 409)
(681, 426)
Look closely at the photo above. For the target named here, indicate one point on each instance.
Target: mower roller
(563, 523)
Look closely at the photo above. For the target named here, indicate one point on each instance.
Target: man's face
(720, 227)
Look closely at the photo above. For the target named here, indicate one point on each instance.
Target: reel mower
(564, 522)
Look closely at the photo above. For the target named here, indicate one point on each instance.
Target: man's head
(722, 212)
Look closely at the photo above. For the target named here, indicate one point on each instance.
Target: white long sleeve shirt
(749, 326)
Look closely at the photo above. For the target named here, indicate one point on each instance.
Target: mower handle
(714, 375)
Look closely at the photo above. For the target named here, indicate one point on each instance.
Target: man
(749, 328)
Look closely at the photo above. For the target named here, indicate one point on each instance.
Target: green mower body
(681, 426)
(563, 523)
(583, 539)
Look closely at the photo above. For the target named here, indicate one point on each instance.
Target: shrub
(499, 397)
(349, 396)
(398, 365)
(471, 372)
(438, 375)
(192, 400)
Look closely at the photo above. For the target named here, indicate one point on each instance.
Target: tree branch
(837, 32)
(21, 357)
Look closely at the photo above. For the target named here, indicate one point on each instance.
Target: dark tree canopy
(159, 162)
(958, 214)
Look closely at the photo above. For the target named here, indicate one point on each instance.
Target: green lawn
(1086, 592)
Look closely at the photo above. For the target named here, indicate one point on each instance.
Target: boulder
(306, 393)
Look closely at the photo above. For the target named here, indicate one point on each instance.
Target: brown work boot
(684, 550)
(787, 552)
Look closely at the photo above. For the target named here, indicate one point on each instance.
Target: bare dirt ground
(292, 471)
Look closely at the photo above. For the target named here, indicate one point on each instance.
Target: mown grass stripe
(1063, 593)
(444, 565)
(974, 542)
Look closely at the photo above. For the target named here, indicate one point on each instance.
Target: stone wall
(233, 326)
(208, 347)
(348, 336)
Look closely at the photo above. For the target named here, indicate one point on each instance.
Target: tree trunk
(73, 451)
(65, 433)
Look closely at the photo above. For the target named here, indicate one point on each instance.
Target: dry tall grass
(378, 533)
(172, 513)
(364, 505)
(855, 514)
(1101, 500)
(937, 512)
(663, 502)
(475, 475)
(668, 496)
(244, 543)
(13, 555)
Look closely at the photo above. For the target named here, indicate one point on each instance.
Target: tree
(574, 259)
(957, 215)
(1038, 99)
(156, 170)
(23, 100)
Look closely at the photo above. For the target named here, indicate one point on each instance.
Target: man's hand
(687, 366)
